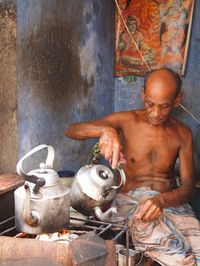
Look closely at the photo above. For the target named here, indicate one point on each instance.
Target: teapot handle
(123, 177)
(49, 159)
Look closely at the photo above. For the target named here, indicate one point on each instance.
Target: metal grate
(6, 228)
(100, 228)
(90, 224)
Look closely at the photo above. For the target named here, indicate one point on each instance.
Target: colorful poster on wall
(152, 34)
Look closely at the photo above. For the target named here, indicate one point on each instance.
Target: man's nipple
(132, 160)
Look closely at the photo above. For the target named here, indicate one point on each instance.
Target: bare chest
(147, 148)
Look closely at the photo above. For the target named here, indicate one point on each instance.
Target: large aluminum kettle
(42, 204)
(94, 187)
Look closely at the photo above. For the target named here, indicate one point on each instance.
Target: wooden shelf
(10, 182)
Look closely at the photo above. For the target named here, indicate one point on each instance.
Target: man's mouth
(155, 120)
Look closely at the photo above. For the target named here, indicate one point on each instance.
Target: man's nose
(156, 112)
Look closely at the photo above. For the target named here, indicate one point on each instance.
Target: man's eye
(165, 106)
(149, 104)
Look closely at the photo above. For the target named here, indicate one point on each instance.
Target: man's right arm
(107, 132)
(85, 130)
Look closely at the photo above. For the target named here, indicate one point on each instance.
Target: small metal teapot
(42, 204)
(94, 187)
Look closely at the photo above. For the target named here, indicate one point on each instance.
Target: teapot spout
(104, 216)
(30, 217)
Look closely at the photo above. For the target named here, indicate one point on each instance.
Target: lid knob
(103, 174)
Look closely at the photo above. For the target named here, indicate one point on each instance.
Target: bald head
(164, 79)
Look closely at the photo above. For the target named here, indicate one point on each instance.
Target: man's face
(158, 103)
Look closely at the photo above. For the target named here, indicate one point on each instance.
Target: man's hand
(149, 210)
(110, 148)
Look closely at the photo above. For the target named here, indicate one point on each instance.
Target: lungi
(172, 240)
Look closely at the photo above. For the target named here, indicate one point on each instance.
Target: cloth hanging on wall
(151, 34)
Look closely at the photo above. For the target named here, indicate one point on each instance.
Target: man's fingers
(108, 152)
(110, 146)
(151, 214)
(122, 160)
(148, 212)
(115, 156)
(112, 152)
(143, 209)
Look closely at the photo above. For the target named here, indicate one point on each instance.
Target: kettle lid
(49, 175)
(94, 179)
(45, 172)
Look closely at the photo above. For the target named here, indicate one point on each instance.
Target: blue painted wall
(65, 71)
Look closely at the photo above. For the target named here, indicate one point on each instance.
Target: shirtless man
(150, 140)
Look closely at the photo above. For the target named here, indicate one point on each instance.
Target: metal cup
(118, 247)
(132, 257)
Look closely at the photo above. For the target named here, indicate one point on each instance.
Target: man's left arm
(153, 207)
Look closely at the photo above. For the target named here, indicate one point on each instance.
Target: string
(125, 25)
(191, 114)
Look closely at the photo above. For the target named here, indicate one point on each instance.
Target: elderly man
(150, 141)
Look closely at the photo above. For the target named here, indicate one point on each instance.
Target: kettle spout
(104, 216)
(30, 217)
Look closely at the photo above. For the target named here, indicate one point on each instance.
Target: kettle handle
(49, 159)
(123, 177)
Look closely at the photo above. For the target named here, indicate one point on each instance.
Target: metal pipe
(7, 230)
(105, 229)
(7, 220)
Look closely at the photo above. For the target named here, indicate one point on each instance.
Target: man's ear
(178, 99)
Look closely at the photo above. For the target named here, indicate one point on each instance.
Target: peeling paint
(64, 75)
(88, 63)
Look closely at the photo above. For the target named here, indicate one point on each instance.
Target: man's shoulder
(134, 112)
(181, 128)
(130, 115)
